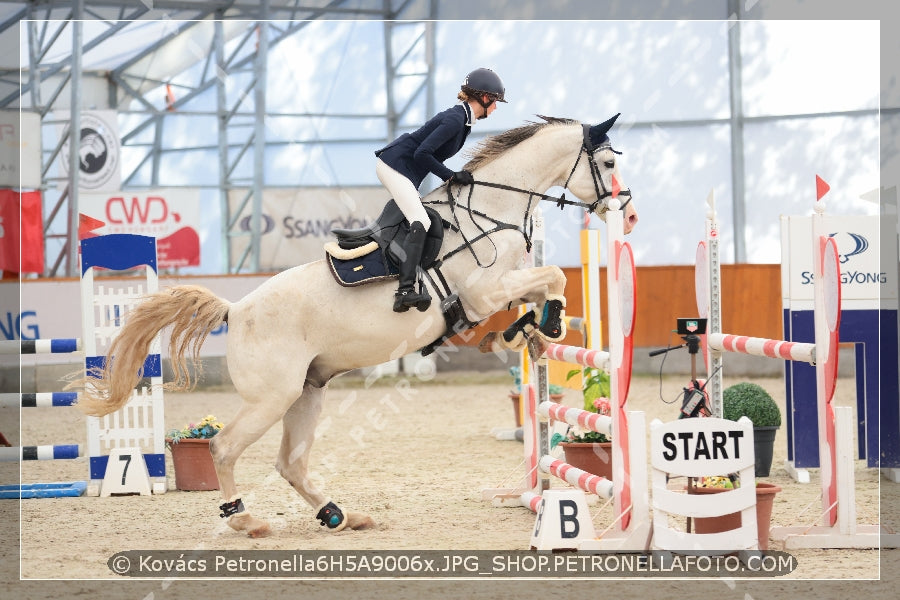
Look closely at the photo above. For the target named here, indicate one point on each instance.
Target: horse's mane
(495, 145)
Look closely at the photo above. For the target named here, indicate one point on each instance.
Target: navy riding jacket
(424, 150)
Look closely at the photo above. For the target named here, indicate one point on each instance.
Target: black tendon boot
(406, 295)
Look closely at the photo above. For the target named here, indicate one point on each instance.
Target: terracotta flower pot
(194, 469)
(593, 457)
(765, 497)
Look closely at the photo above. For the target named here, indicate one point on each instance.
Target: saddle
(361, 256)
(372, 253)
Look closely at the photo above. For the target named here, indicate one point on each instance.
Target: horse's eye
(609, 163)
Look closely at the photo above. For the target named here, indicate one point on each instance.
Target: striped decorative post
(827, 317)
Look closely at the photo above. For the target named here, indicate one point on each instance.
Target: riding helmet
(484, 81)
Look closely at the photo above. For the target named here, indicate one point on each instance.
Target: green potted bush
(752, 401)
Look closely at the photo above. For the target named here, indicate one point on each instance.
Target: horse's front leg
(293, 461)
(543, 286)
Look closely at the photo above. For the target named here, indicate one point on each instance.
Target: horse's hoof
(255, 528)
(262, 531)
(360, 521)
(537, 345)
(485, 346)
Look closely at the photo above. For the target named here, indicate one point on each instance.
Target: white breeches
(404, 193)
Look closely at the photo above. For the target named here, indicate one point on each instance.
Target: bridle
(527, 226)
(588, 149)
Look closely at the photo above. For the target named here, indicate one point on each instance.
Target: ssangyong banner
(296, 223)
(864, 280)
(172, 216)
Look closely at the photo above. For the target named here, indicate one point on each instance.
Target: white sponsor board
(99, 155)
(20, 149)
(864, 280)
(297, 222)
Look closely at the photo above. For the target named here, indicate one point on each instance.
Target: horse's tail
(192, 311)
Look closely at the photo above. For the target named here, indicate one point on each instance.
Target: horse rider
(403, 164)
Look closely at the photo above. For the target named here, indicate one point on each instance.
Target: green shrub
(752, 401)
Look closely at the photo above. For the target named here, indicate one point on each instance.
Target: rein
(527, 226)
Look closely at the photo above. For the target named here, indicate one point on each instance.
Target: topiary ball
(752, 401)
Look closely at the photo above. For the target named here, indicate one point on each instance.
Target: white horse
(288, 338)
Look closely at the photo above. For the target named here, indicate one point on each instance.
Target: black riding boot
(406, 295)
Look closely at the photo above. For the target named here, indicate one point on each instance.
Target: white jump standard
(139, 426)
(631, 527)
(838, 527)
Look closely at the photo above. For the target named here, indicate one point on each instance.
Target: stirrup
(404, 299)
(424, 298)
(399, 297)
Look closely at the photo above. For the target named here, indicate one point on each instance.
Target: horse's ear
(599, 131)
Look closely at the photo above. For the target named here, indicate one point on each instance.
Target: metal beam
(222, 128)
(737, 133)
(259, 136)
(74, 138)
(93, 43)
(226, 68)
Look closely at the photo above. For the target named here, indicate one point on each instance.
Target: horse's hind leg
(247, 426)
(293, 461)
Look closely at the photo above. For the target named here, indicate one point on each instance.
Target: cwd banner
(297, 222)
(99, 153)
(172, 216)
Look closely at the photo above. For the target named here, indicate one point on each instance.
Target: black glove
(462, 178)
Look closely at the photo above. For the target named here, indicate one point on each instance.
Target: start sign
(699, 447)
(694, 445)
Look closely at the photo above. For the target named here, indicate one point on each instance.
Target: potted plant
(752, 401)
(589, 450)
(765, 498)
(194, 469)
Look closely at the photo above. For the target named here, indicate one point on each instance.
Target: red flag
(821, 188)
(21, 232)
(170, 98)
(87, 225)
(615, 186)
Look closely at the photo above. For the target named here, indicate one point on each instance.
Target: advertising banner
(172, 216)
(20, 149)
(21, 229)
(297, 222)
(864, 280)
(99, 153)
